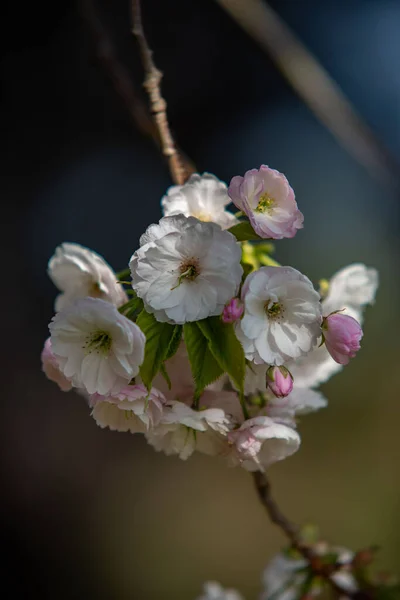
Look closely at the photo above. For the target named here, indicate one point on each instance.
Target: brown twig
(291, 530)
(158, 104)
(122, 81)
(118, 73)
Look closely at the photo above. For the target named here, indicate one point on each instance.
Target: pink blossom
(132, 409)
(232, 311)
(267, 199)
(279, 381)
(262, 441)
(52, 370)
(342, 337)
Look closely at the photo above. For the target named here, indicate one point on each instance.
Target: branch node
(291, 530)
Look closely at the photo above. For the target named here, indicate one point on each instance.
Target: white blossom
(202, 196)
(214, 441)
(133, 409)
(183, 430)
(79, 272)
(261, 441)
(177, 433)
(351, 288)
(283, 578)
(186, 270)
(282, 317)
(214, 591)
(96, 347)
(301, 401)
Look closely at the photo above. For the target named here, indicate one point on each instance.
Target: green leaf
(174, 342)
(243, 231)
(164, 373)
(158, 339)
(225, 347)
(132, 308)
(205, 369)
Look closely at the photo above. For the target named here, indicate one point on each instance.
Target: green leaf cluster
(214, 349)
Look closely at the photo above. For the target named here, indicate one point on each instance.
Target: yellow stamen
(265, 203)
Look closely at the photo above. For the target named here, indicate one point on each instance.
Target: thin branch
(118, 73)
(158, 104)
(314, 85)
(263, 487)
(291, 531)
(122, 81)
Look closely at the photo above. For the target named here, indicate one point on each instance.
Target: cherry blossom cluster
(288, 576)
(206, 343)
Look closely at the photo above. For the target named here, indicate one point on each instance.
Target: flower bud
(232, 311)
(279, 381)
(342, 335)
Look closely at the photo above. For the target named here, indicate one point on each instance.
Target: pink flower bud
(232, 311)
(342, 336)
(279, 381)
(51, 368)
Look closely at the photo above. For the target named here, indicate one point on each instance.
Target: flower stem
(292, 532)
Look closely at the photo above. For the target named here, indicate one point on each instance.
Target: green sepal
(243, 232)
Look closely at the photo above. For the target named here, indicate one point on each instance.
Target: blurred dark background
(87, 513)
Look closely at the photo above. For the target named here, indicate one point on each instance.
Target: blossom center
(273, 310)
(99, 341)
(189, 270)
(203, 216)
(265, 203)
